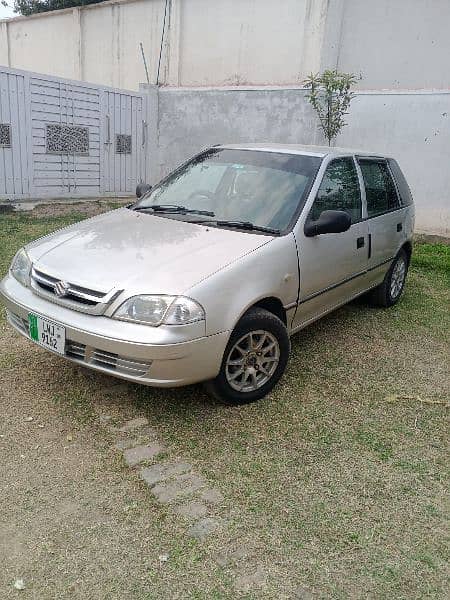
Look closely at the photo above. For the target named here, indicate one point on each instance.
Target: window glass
(264, 188)
(381, 194)
(402, 186)
(191, 183)
(339, 190)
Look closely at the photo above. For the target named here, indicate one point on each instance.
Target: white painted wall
(206, 42)
(250, 41)
(110, 36)
(401, 44)
(396, 44)
(32, 44)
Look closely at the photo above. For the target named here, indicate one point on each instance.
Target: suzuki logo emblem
(61, 288)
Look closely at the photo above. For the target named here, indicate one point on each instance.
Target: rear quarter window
(381, 192)
(406, 198)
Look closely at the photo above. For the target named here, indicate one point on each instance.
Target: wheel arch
(407, 247)
(272, 304)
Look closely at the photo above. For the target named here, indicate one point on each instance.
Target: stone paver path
(186, 494)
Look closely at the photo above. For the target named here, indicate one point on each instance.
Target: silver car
(210, 272)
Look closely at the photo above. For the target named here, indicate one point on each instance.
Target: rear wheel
(389, 292)
(254, 360)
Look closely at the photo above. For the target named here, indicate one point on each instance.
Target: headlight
(155, 310)
(20, 267)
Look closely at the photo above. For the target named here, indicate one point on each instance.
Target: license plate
(47, 334)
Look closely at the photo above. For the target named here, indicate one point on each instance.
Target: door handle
(144, 133)
(360, 242)
(108, 129)
(399, 226)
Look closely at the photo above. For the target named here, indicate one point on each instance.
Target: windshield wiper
(174, 208)
(239, 225)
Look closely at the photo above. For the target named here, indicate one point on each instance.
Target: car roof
(320, 151)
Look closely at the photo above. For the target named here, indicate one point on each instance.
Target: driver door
(332, 265)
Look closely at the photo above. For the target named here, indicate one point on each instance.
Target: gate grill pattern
(5, 135)
(123, 143)
(67, 139)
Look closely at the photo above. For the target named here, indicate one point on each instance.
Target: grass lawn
(336, 485)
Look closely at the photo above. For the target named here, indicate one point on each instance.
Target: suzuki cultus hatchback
(210, 272)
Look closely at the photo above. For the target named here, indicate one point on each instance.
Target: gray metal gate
(14, 136)
(61, 138)
(124, 144)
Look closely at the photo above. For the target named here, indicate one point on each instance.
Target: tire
(257, 368)
(389, 292)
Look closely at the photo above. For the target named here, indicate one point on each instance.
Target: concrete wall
(206, 42)
(396, 44)
(192, 119)
(413, 127)
(33, 44)
(229, 42)
(392, 44)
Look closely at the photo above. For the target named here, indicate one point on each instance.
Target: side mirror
(142, 188)
(330, 221)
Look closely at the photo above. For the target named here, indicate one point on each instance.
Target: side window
(381, 194)
(339, 190)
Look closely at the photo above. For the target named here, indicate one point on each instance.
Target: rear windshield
(264, 188)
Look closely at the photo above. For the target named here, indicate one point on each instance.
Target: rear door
(385, 214)
(332, 266)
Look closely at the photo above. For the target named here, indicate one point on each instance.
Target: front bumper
(139, 353)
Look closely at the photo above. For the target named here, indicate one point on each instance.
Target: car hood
(139, 252)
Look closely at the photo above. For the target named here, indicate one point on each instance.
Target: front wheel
(389, 292)
(254, 360)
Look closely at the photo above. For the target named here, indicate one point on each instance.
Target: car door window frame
(385, 162)
(361, 189)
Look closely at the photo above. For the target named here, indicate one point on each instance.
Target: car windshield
(255, 187)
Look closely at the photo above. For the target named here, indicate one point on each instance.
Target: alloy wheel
(252, 361)
(397, 278)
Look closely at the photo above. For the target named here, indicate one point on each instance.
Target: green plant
(31, 7)
(330, 95)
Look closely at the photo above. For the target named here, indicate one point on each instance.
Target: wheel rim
(398, 278)
(252, 361)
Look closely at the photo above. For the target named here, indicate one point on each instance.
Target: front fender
(269, 271)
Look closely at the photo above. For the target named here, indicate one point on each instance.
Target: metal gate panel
(64, 104)
(68, 138)
(14, 172)
(123, 115)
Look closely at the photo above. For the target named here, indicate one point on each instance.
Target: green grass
(432, 257)
(337, 482)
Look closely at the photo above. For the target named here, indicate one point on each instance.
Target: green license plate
(46, 333)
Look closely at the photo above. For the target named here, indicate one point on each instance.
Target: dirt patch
(89, 208)
(428, 238)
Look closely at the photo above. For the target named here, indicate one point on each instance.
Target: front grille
(18, 322)
(75, 296)
(106, 360)
(75, 350)
(123, 365)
